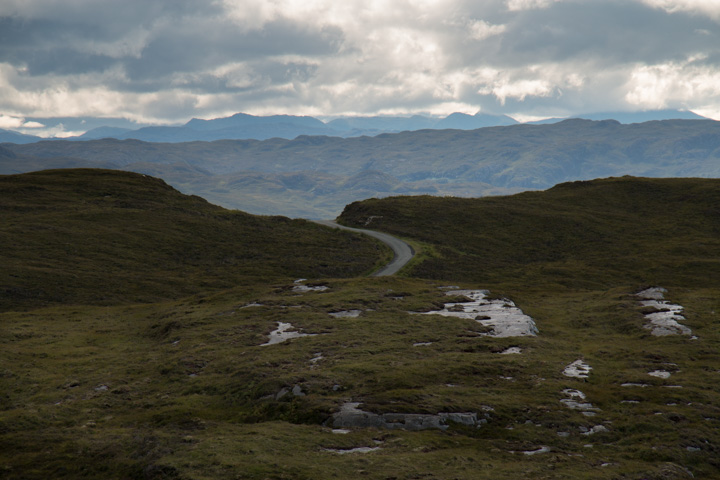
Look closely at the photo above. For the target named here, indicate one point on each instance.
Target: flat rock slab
(346, 314)
(666, 318)
(576, 402)
(511, 351)
(301, 288)
(501, 315)
(283, 333)
(351, 416)
(577, 369)
(543, 449)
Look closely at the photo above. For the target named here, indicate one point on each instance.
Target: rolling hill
(107, 237)
(259, 176)
(150, 335)
(593, 234)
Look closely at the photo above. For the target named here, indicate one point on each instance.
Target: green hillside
(108, 237)
(595, 234)
(372, 384)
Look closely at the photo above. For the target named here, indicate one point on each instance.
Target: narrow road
(403, 252)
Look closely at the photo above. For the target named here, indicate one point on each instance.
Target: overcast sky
(166, 61)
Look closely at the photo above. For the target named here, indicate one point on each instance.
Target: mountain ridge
(486, 161)
(242, 126)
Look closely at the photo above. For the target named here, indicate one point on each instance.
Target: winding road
(403, 252)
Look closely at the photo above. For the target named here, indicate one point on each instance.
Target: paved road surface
(403, 252)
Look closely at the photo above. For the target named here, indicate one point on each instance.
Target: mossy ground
(182, 388)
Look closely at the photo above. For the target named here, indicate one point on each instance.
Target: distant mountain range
(316, 176)
(242, 126)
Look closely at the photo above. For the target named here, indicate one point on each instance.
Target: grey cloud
(609, 31)
(200, 45)
(603, 33)
(180, 49)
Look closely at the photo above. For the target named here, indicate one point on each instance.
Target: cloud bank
(170, 60)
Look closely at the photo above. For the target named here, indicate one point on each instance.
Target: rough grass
(100, 236)
(577, 235)
(191, 394)
(182, 388)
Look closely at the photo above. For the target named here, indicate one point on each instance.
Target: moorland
(136, 326)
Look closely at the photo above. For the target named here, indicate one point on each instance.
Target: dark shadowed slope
(582, 234)
(104, 236)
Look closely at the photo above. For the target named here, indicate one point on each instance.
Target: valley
(316, 176)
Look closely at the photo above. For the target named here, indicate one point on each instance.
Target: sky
(167, 61)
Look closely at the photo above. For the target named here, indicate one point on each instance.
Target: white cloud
(169, 60)
(700, 7)
(480, 30)
(673, 84)
(33, 125)
(519, 5)
(8, 121)
(537, 81)
(710, 111)
(520, 89)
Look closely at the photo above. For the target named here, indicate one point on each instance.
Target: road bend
(402, 251)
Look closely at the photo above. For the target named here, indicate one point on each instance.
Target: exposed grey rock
(351, 416)
(254, 304)
(666, 318)
(511, 351)
(577, 369)
(283, 391)
(314, 361)
(299, 287)
(539, 450)
(595, 429)
(502, 316)
(283, 333)
(346, 313)
(652, 293)
(575, 402)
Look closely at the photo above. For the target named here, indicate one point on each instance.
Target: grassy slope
(182, 389)
(595, 234)
(100, 236)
